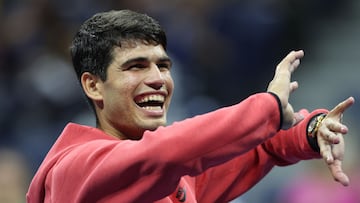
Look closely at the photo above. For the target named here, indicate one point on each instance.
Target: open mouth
(151, 102)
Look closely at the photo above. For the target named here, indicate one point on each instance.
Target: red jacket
(213, 157)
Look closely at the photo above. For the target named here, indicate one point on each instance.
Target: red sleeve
(150, 169)
(230, 180)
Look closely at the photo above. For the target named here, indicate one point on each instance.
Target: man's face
(137, 92)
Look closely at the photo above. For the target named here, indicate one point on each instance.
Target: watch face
(311, 126)
(314, 124)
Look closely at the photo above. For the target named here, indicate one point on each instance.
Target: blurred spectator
(14, 176)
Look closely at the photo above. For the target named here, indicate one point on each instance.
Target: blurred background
(223, 52)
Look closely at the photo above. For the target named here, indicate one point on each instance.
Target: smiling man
(132, 156)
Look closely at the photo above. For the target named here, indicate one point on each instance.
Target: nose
(155, 79)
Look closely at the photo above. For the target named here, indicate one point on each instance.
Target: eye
(164, 66)
(136, 66)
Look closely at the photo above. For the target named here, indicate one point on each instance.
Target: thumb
(341, 107)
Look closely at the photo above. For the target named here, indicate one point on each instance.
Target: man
(120, 59)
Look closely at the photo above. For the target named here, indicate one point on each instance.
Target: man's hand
(331, 141)
(282, 86)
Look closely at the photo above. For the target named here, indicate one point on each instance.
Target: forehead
(138, 49)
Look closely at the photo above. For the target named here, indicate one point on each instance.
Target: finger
(338, 174)
(294, 65)
(293, 57)
(330, 134)
(293, 86)
(338, 150)
(341, 107)
(325, 150)
(336, 127)
(291, 61)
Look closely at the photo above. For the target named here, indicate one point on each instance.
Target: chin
(155, 125)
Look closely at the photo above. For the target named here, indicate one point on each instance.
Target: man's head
(121, 62)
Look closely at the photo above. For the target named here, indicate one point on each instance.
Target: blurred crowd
(223, 52)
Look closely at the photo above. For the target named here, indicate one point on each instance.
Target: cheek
(169, 83)
(118, 105)
(170, 88)
(118, 94)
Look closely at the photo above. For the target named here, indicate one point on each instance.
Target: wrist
(280, 108)
(312, 129)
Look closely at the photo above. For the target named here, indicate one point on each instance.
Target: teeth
(158, 98)
(152, 108)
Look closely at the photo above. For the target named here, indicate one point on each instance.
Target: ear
(91, 85)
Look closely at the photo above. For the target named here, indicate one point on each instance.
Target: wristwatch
(314, 124)
(312, 129)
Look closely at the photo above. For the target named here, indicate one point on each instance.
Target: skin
(331, 140)
(331, 130)
(139, 70)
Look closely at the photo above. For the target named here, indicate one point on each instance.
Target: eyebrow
(165, 59)
(144, 59)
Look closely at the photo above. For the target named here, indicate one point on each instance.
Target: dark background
(223, 52)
